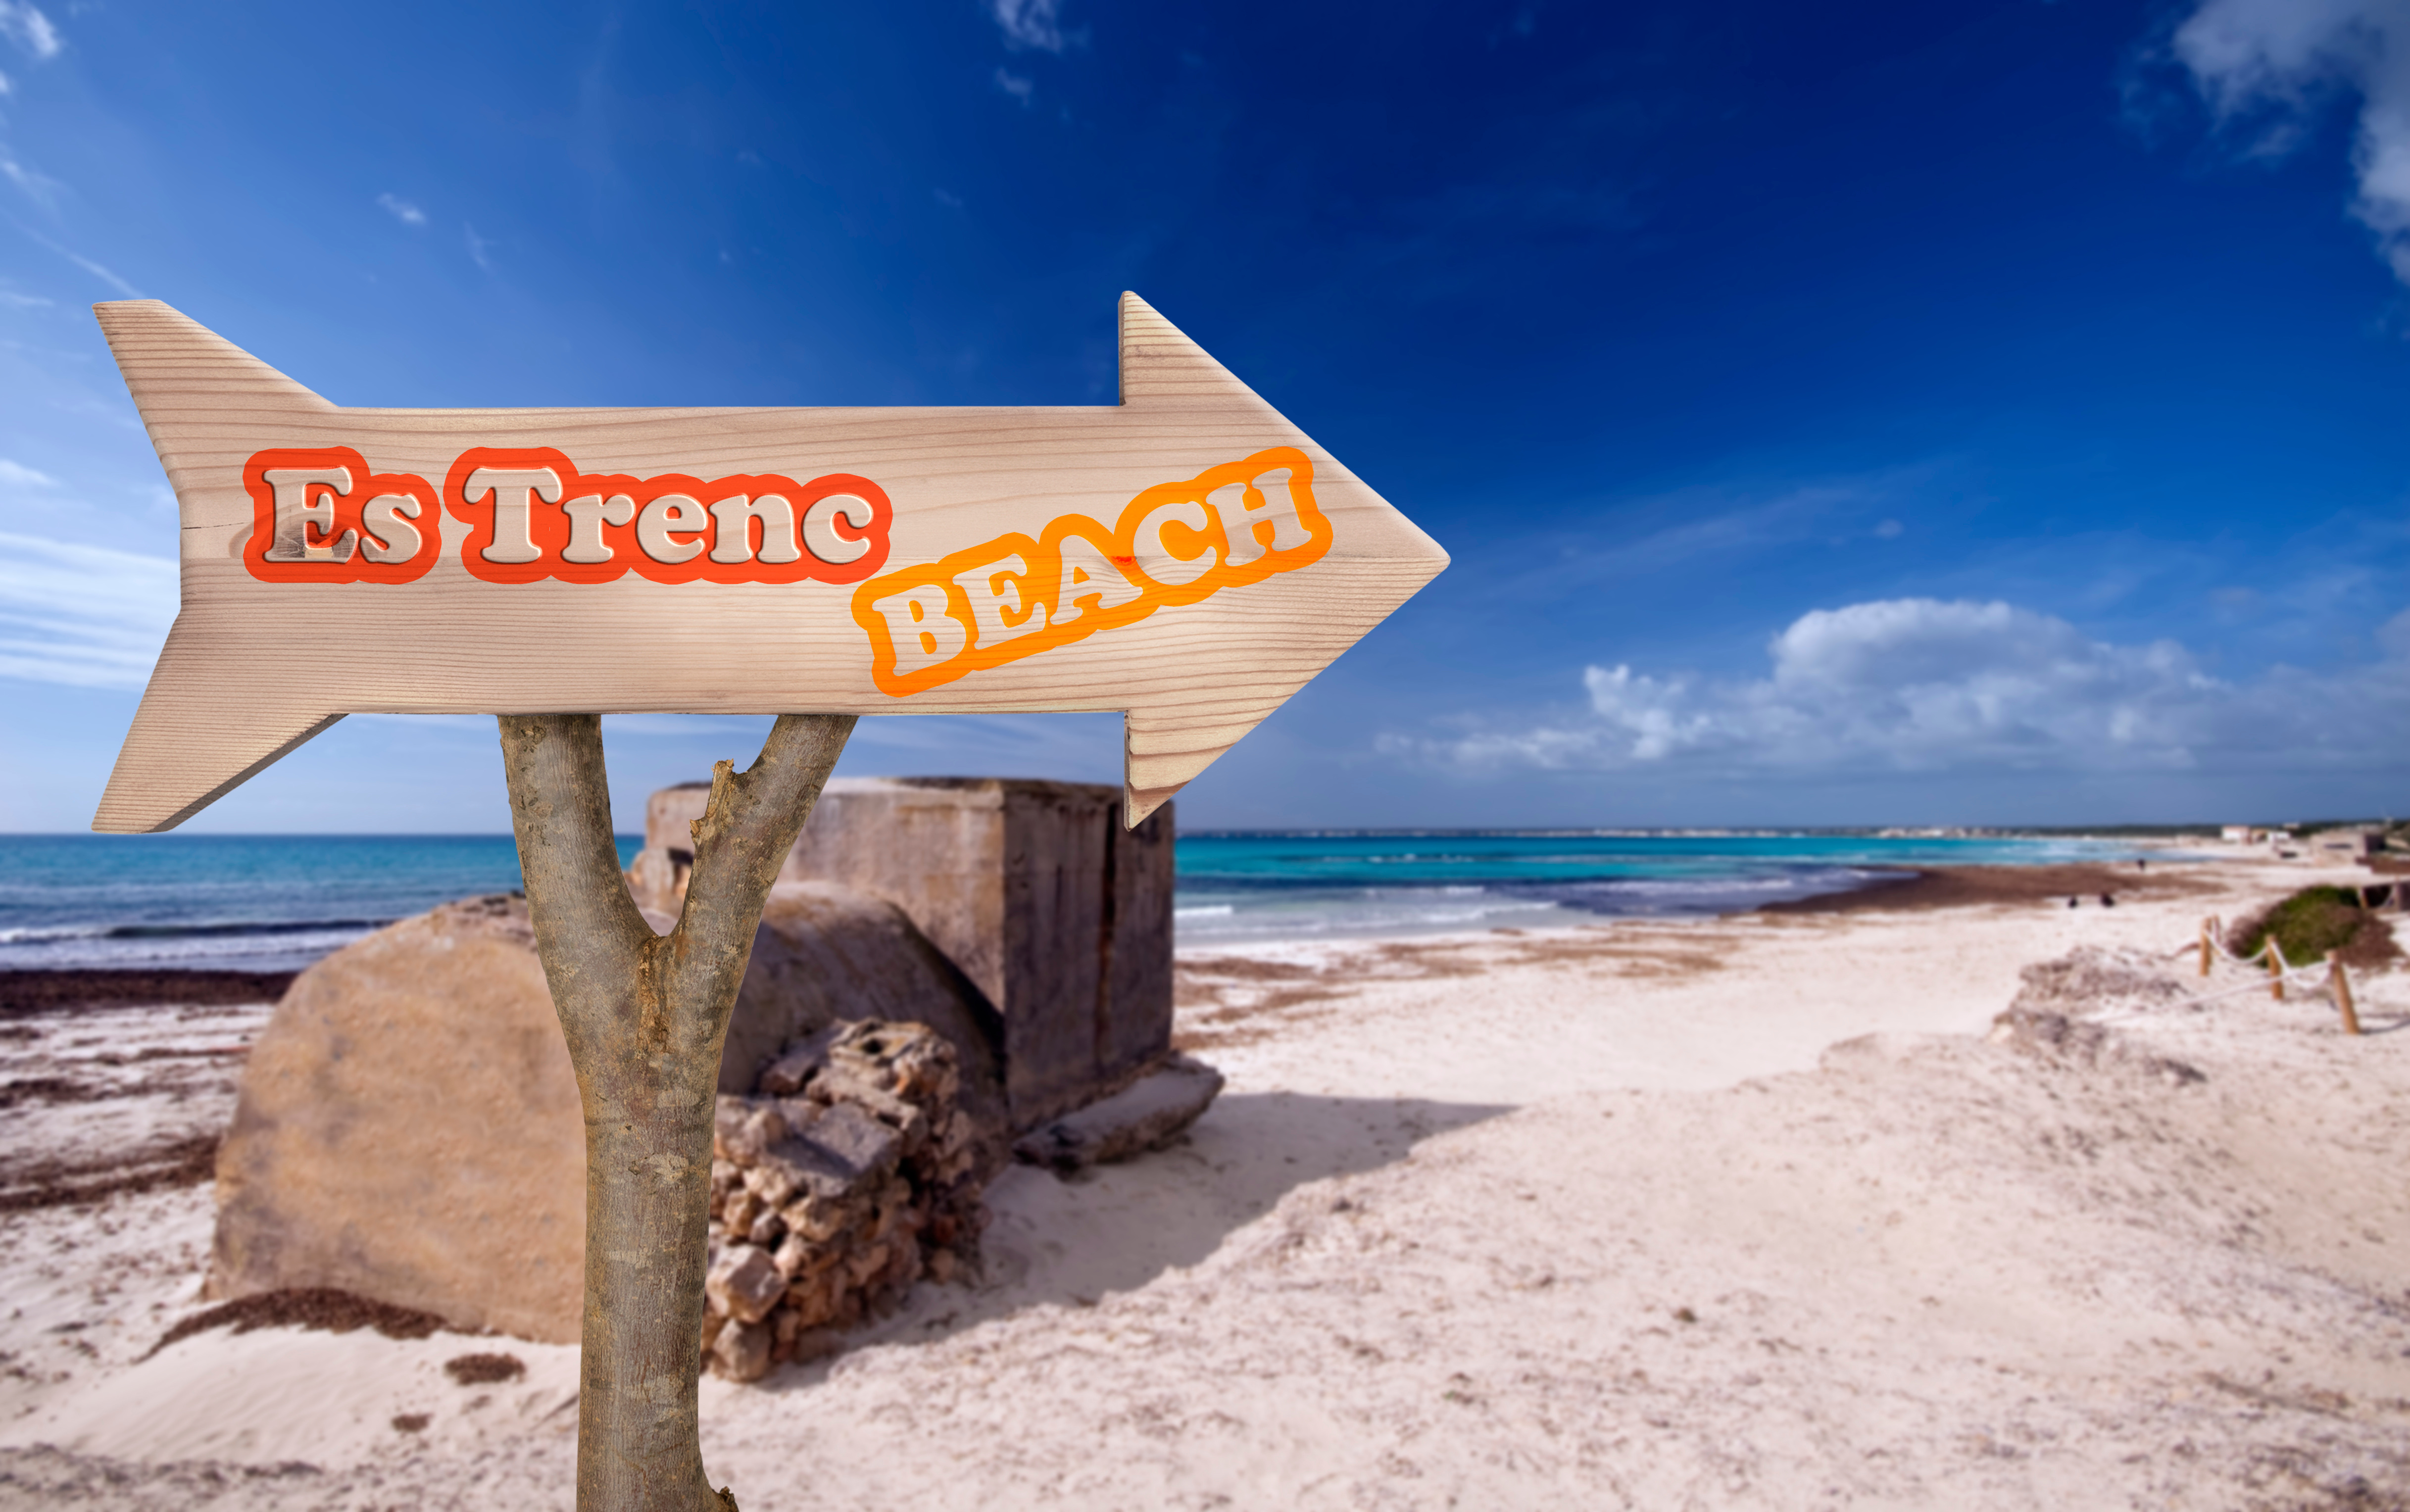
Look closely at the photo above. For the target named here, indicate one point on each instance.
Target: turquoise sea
(267, 903)
(235, 902)
(1308, 885)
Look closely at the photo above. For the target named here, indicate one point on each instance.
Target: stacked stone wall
(851, 1173)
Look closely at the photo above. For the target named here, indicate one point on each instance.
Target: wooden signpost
(1186, 557)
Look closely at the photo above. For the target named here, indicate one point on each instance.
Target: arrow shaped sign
(1186, 557)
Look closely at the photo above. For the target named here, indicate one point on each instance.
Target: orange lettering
(1014, 597)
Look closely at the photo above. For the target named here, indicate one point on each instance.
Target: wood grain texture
(253, 668)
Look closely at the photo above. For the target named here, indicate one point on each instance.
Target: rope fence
(2269, 956)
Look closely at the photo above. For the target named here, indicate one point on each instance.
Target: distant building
(2354, 843)
(2240, 835)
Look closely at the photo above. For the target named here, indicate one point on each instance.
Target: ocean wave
(1805, 879)
(1237, 909)
(1315, 923)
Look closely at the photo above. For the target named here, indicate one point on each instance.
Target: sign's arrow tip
(1264, 650)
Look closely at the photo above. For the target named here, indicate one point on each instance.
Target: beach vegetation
(2317, 919)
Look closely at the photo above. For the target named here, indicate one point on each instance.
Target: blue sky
(1971, 414)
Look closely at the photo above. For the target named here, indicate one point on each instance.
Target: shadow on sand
(1068, 1243)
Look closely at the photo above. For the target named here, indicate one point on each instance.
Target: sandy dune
(1740, 1213)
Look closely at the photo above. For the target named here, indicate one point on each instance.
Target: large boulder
(409, 1129)
(409, 1126)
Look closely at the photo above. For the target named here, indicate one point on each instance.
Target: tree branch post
(645, 1017)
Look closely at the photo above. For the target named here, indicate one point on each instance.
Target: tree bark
(645, 1017)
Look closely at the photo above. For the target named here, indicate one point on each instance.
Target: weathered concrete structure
(1059, 915)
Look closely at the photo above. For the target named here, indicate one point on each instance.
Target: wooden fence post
(2275, 970)
(2341, 985)
(2206, 945)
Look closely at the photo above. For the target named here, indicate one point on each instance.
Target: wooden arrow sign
(1186, 557)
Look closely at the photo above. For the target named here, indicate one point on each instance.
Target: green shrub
(2316, 919)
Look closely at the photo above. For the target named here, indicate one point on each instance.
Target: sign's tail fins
(194, 739)
(202, 399)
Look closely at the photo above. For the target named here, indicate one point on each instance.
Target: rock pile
(851, 1171)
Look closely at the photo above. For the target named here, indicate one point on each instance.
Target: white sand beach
(1745, 1212)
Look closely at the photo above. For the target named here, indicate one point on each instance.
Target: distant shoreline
(1953, 887)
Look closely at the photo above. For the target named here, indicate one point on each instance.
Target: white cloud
(15, 300)
(25, 25)
(38, 186)
(1922, 685)
(84, 616)
(106, 276)
(85, 263)
(403, 210)
(6, 87)
(477, 246)
(1015, 85)
(19, 474)
(1034, 24)
(2264, 65)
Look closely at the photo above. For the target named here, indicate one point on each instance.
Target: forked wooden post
(2341, 985)
(2275, 970)
(645, 1015)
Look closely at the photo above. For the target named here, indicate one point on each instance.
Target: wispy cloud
(84, 616)
(2264, 67)
(25, 25)
(1015, 84)
(403, 210)
(15, 300)
(948, 198)
(1694, 527)
(1925, 685)
(6, 87)
(103, 274)
(81, 261)
(477, 246)
(1034, 24)
(16, 474)
(37, 186)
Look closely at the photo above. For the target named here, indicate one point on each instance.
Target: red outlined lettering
(1014, 596)
(319, 515)
(532, 515)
